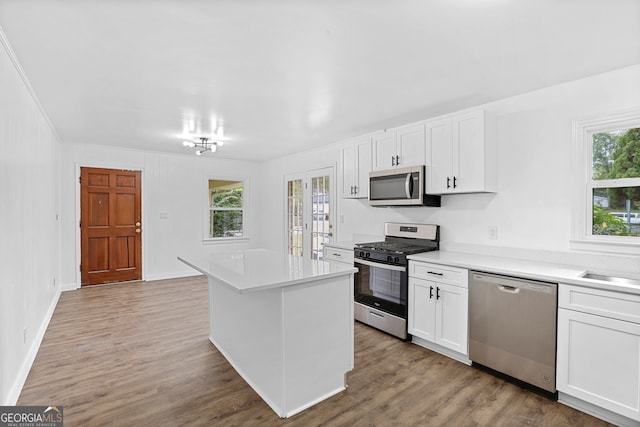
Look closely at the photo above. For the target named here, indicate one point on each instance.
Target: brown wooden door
(110, 226)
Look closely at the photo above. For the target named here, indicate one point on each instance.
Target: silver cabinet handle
(376, 315)
(334, 254)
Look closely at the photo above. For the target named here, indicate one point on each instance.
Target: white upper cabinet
(355, 167)
(384, 149)
(403, 146)
(461, 158)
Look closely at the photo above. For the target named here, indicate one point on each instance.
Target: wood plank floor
(138, 354)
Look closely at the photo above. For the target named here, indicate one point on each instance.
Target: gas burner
(395, 247)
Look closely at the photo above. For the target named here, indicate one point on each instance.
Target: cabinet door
(451, 317)
(468, 153)
(421, 322)
(440, 155)
(363, 167)
(384, 150)
(349, 171)
(411, 145)
(599, 361)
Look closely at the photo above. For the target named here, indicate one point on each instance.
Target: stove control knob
(389, 258)
(396, 259)
(360, 254)
(367, 255)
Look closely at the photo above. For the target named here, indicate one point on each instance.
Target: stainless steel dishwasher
(512, 327)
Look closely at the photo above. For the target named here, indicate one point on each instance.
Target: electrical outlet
(493, 232)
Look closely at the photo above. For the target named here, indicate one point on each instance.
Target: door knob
(138, 230)
(138, 224)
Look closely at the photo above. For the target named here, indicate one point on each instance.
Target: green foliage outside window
(225, 208)
(606, 224)
(616, 155)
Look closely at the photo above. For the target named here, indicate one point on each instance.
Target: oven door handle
(380, 265)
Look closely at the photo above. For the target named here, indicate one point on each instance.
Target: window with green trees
(615, 182)
(226, 208)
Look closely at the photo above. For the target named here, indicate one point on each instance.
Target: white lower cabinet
(438, 311)
(598, 359)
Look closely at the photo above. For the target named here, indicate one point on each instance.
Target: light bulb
(213, 148)
(199, 152)
(188, 144)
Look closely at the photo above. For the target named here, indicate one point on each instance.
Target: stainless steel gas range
(381, 283)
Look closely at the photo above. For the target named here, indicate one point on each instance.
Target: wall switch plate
(493, 232)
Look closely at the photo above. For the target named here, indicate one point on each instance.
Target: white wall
(533, 206)
(174, 185)
(29, 229)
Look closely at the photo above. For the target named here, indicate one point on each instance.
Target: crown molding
(14, 60)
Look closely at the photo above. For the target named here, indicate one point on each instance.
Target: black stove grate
(395, 247)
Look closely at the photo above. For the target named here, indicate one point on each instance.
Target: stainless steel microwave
(400, 187)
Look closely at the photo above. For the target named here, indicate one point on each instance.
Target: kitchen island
(284, 323)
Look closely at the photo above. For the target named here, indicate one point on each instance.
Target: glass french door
(310, 212)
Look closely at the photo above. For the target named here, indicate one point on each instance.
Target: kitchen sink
(611, 279)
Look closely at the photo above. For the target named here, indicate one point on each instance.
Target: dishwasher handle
(511, 284)
(509, 289)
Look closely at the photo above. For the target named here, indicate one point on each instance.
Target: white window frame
(582, 237)
(245, 209)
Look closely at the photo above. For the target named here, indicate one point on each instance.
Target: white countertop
(255, 270)
(549, 272)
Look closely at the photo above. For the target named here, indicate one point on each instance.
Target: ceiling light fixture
(202, 144)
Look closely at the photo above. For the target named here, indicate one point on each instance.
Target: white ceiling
(287, 75)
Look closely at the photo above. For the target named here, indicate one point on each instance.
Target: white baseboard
(21, 377)
(462, 358)
(73, 286)
(69, 287)
(178, 275)
(596, 411)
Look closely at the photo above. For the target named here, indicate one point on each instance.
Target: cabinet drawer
(616, 305)
(440, 273)
(338, 254)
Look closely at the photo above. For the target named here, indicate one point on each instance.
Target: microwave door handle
(407, 185)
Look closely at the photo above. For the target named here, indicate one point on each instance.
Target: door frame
(304, 175)
(78, 240)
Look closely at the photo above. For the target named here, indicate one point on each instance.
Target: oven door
(381, 286)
